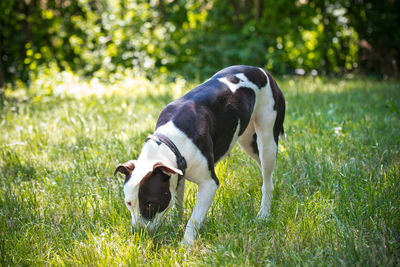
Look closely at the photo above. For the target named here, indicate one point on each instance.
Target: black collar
(180, 160)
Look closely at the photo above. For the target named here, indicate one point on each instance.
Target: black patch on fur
(154, 194)
(233, 79)
(244, 102)
(254, 144)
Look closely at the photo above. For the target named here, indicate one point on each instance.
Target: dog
(240, 104)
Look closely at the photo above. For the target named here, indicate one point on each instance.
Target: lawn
(336, 198)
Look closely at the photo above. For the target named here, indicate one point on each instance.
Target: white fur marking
(243, 82)
(197, 165)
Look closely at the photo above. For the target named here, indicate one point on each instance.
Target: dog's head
(149, 192)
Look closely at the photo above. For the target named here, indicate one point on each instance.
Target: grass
(336, 198)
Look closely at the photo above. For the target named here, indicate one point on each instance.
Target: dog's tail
(280, 107)
(282, 134)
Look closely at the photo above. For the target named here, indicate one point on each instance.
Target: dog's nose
(129, 204)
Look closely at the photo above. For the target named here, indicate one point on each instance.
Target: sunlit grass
(336, 198)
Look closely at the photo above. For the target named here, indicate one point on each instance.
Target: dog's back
(213, 112)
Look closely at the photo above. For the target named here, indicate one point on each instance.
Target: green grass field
(336, 198)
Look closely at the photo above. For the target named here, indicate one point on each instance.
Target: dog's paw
(263, 214)
(187, 242)
(189, 237)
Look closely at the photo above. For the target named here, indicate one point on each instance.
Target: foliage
(195, 38)
(378, 26)
(336, 198)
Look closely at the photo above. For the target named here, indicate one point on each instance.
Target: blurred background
(193, 39)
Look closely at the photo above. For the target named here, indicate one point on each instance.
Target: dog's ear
(125, 168)
(168, 170)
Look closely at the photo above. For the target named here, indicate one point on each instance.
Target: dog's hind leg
(258, 142)
(267, 149)
(248, 142)
(267, 152)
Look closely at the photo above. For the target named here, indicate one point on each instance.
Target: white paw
(188, 242)
(190, 235)
(263, 213)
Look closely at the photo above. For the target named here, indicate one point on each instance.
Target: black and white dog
(238, 104)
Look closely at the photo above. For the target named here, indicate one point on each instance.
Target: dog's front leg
(205, 198)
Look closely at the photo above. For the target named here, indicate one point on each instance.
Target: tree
(378, 26)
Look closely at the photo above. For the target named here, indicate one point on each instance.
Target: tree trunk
(2, 85)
